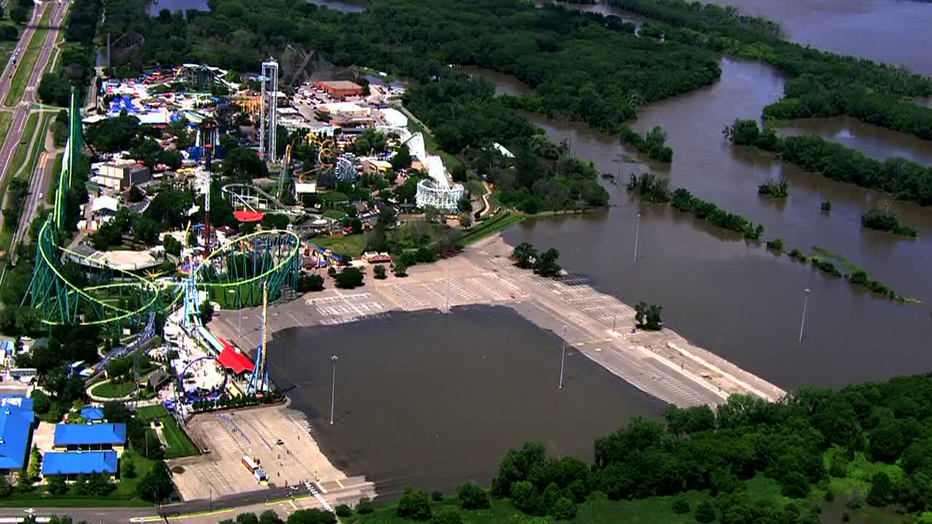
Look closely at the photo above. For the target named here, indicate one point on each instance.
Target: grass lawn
(490, 227)
(38, 144)
(349, 245)
(28, 61)
(6, 120)
(111, 390)
(179, 445)
(29, 132)
(335, 214)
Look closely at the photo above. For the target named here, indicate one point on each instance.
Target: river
(431, 399)
(734, 297)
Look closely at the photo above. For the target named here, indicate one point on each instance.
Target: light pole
(562, 357)
(802, 324)
(333, 387)
(637, 235)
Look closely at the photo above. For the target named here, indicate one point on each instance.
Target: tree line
(901, 178)
(653, 189)
(821, 84)
(802, 443)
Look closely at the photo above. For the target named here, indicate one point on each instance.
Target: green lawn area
(19, 155)
(28, 61)
(6, 119)
(111, 390)
(38, 145)
(335, 214)
(349, 245)
(491, 226)
(179, 445)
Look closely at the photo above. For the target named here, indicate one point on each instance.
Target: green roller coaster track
(117, 299)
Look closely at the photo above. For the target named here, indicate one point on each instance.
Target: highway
(22, 109)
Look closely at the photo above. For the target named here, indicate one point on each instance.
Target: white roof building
(105, 203)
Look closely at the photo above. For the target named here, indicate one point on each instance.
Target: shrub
(524, 496)
(414, 504)
(775, 244)
(826, 206)
(829, 496)
(705, 513)
(471, 496)
(379, 272)
(364, 507)
(343, 510)
(564, 509)
(680, 505)
(436, 496)
(794, 485)
(447, 515)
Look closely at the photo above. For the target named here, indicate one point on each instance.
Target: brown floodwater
(431, 399)
(891, 31)
(871, 140)
(734, 297)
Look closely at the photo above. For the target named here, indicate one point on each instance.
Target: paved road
(21, 110)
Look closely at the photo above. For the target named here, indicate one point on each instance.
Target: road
(21, 111)
(194, 512)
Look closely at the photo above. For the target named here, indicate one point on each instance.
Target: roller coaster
(68, 289)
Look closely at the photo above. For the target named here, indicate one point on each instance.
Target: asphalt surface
(22, 109)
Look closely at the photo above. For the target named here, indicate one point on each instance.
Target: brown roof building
(340, 88)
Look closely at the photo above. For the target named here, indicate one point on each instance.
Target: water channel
(431, 399)
(736, 298)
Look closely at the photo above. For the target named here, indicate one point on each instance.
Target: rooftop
(77, 462)
(83, 434)
(15, 424)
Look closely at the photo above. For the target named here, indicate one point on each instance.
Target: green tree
(546, 264)
(56, 484)
(881, 491)
(247, 518)
(705, 513)
(525, 497)
(156, 486)
(402, 158)
(129, 467)
(564, 509)
(471, 496)
(206, 311)
(680, 505)
(364, 507)
(269, 517)
(349, 278)
(447, 515)
(647, 316)
(414, 504)
(379, 272)
(342, 510)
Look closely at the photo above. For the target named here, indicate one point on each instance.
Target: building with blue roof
(73, 463)
(90, 437)
(16, 419)
(92, 413)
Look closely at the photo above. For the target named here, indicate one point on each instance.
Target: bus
(251, 464)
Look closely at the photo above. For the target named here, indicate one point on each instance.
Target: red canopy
(234, 360)
(248, 216)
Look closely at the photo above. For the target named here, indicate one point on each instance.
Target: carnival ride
(437, 190)
(328, 172)
(116, 299)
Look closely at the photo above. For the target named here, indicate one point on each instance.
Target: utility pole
(637, 235)
(802, 324)
(562, 357)
(333, 386)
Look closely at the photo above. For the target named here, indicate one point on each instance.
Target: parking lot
(278, 437)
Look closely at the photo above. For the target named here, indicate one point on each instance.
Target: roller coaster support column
(259, 380)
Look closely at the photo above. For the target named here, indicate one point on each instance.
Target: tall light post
(333, 387)
(637, 235)
(802, 324)
(562, 357)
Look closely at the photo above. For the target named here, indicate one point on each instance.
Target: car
(40, 196)
(206, 450)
